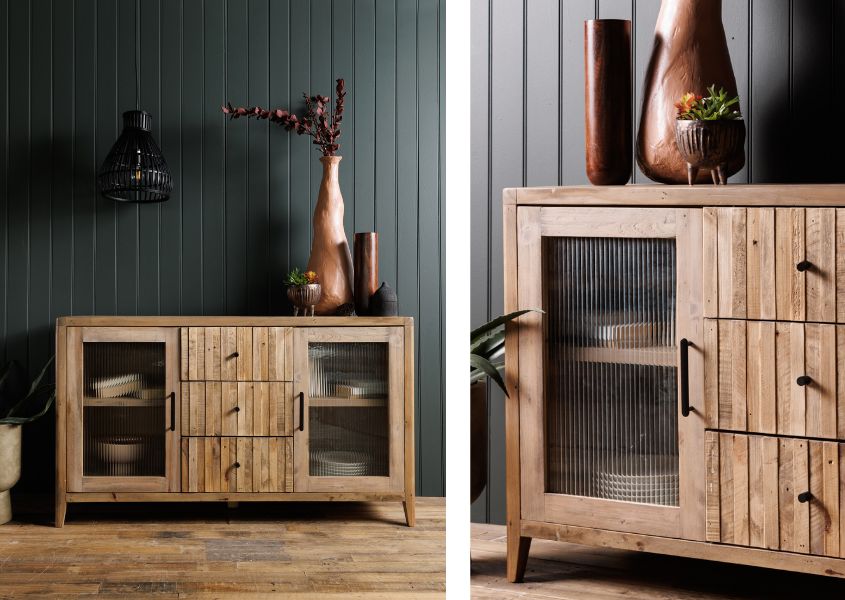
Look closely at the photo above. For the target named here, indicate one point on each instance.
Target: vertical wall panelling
(280, 222)
(385, 142)
(506, 168)
(240, 213)
(528, 91)
(258, 157)
(479, 177)
(429, 218)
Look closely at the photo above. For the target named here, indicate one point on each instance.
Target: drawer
(236, 354)
(776, 493)
(241, 408)
(775, 377)
(775, 263)
(237, 464)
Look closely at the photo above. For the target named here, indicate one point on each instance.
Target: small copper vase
(304, 298)
(711, 145)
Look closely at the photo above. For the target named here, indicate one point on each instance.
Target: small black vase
(384, 302)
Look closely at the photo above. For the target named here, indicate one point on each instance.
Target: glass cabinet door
(349, 422)
(604, 367)
(124, 430)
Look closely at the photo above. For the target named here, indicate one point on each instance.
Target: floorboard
(561, 571)
(294, 550)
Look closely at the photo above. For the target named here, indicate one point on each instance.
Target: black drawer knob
(804, 380)
(237, 409)
(234, 355)
(237, 465)
(804, 265)
(804, 497)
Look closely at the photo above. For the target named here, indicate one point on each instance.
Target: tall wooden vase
(330, 256)
(690, 53)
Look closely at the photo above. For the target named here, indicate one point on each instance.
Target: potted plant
(21, 401)
(709, 133)
(304, 291)
(486, 359)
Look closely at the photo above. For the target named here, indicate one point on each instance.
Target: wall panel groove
(528, 121)
(240, 214)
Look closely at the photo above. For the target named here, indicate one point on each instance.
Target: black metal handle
(686, 409)
(302, 411)
(804, 380)
(237, 465)
(804, 497)
(234, 355)
(237, 409)
(172, 411)
(804, 265)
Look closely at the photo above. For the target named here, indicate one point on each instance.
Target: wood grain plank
(712, 501)
(727, 485)
(276, 353)
(801, 483)
(711, 373)
(710, 228)
(820, 365)
(273, 464)
(244, 361)
(786, 487)
(260, 354)
(817, 506)
(228, 403)
(831, 503)
(840, 265)
(184, 345)
(756, 514)
(212, 353)
(741, 490)
(289, 485)
(762, 375)
(821, 252)
(840, 381)
(213, 408)
(228, 350)
(790, 284)
(771, 533)
(760, 249)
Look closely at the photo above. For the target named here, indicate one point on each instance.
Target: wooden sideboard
(162, 409)
(683, 391)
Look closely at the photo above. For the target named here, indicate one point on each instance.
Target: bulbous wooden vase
(330, 256)
(690, 53)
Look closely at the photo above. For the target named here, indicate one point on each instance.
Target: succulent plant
(715, 106)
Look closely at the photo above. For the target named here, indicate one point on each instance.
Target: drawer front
(775, 377)
(242, 408)
(237, 464)
(236, 354)
(756, 493)
(775, 263)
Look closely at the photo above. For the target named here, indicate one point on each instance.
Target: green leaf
(486, 344)
(498, 322)
(482, 364)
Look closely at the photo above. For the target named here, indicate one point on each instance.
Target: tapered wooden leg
(61, 510)
(410, 511)
(517, 557)
(720, 171)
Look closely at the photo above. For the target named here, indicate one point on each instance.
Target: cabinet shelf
(660, 356)
(338, 402)
(122, 401)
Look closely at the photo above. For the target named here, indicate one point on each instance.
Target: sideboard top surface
(230, 321)
(679, 195)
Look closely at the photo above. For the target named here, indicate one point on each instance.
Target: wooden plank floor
(558, 570)
(295, 550)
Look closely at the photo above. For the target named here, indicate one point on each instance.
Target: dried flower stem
(320, 122)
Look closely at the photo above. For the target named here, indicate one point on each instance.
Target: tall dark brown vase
(607, 100)
(366, 270)
(690, 53)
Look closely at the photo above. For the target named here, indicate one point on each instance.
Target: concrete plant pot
(10, 467)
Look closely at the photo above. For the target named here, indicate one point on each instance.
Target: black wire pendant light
(134, 169)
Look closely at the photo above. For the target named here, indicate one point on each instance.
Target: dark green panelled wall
(528, 117)
(240, 212)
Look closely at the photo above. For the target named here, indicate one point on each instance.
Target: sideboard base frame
(754, 557)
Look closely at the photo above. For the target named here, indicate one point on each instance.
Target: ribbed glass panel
(347, 418)
(611, 390)
(124, 409)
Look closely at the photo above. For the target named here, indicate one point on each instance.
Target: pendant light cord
(138, 54)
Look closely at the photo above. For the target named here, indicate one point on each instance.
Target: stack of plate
(641, 479)
(117, 386)
(340, 463)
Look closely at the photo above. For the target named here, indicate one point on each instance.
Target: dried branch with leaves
(320, 121)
